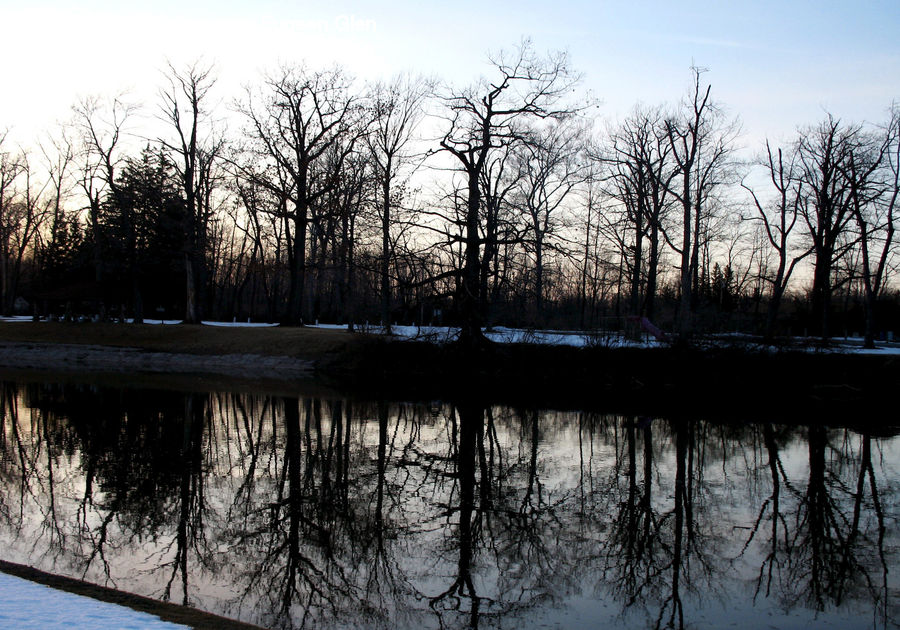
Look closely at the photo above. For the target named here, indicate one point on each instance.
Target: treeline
(505, 202)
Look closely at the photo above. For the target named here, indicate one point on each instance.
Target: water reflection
(309, 512)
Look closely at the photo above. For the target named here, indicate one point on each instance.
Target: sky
(777, 65)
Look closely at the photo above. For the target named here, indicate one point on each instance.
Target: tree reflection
(632, 543)
(683, 511)
(831, 551)
(660, 543)
(189, 532)
(384, 583)
(825, 543)
(322, 513)
(470, 425)
(771, 563)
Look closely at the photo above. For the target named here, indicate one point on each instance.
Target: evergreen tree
(142, 226)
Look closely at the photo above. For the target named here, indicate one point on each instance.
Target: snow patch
(25, 605)
(502, 334)
(157, 322)
(239, 324)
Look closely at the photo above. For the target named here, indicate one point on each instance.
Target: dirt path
(270, 353)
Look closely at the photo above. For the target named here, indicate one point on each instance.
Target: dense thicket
(316, 198)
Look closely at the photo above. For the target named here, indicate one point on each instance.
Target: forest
(313, 197)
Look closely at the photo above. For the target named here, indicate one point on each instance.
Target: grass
(302, 343)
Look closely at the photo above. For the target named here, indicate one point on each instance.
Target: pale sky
(777, 65)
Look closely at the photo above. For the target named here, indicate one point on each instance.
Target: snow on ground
(501, 334)
(25, 605)
(237, 324)
(893, 350)
(614, 339)
(157, 322)
(231, 324)
(167, 322)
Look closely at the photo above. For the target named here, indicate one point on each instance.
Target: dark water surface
(303, 511)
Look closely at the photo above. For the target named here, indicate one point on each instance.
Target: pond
(324, 511)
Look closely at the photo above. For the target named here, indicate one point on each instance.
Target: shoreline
(730, 383)
(98, 358)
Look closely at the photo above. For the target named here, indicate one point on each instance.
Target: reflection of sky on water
(398, 515)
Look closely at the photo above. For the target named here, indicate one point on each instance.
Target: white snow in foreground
(25, 605)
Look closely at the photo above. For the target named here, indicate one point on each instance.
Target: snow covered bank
(25, 605)
(501, 334)
(237, 324)
(613, 339)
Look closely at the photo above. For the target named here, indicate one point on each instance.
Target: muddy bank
(94, 358)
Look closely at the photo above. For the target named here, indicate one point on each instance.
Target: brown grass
(303, 343)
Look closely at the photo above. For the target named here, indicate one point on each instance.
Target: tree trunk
(298, 270)
(539, 279)
(869, 341)
(386, 252)
(652, 271)
(684, 306)
(638, 262)
(470, 332)
(821, 293)
(190, 316)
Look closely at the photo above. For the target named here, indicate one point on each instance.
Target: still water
(326, 512)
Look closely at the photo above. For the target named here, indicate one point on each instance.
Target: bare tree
(641, 172)
(502, 226)
(196, 147)
(552, 165)
(824, 154)
(293, 125)
(59, 155)
(102, 127)
(873, 181)
(779, 218)
(889, 200)
(334, 237)
(591, 195)
(701, 144)
(485, 117)
(24, 208)
(397, 108)
(12, 167)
